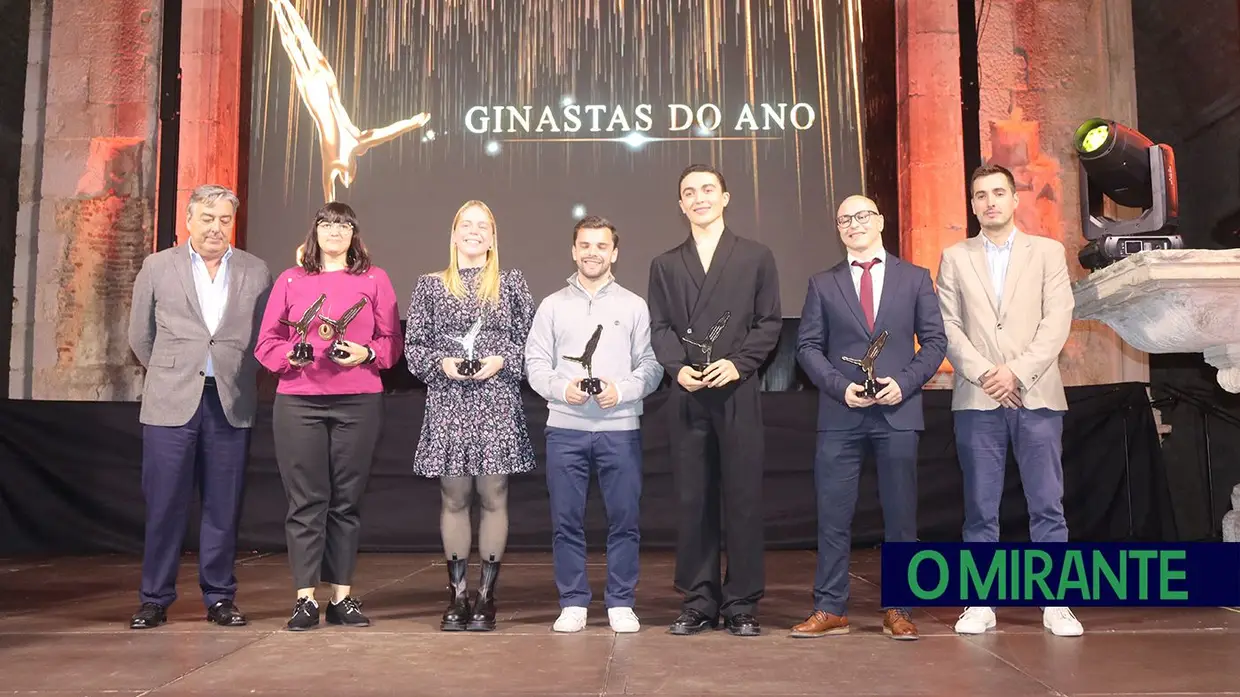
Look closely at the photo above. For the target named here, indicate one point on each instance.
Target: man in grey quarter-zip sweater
(594, 432)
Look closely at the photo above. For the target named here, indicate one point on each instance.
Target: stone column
(1045, 66)
(931, 159)
(211, 99)
(87, 195)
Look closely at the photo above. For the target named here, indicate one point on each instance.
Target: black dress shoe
(742, 625)
(347, 612)
(692, 622)
(149, 615)
(225, 614)
(305, 615)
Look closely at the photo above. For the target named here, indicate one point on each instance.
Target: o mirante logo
(1083, 574)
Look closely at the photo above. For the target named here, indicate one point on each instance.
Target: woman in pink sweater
(329, 404)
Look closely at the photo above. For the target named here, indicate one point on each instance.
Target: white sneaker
(572, 619)
(623, 620)
(1061, 622)
(975, 620)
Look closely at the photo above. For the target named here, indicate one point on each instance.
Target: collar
(881, 255)
(575, 282)
(195, 256)
(1006, 246)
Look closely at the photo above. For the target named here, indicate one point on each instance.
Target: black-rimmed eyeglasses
(862, 217)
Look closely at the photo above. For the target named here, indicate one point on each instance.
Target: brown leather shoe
(897, 625)
(820, 624)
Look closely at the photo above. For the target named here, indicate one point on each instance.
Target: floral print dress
(471, 427)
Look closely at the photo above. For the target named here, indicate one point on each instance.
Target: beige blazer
(1026, 329)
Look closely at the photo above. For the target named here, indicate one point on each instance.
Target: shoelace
(350, 605)
(1062, 613)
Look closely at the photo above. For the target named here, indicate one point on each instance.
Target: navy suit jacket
(833, 325)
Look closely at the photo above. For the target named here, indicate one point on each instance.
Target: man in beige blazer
(1007, 306)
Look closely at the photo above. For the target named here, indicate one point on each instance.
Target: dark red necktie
(867, 290)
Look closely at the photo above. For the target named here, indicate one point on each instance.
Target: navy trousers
(617, 457)
(207, 453)
(837, 471)
(982, 440)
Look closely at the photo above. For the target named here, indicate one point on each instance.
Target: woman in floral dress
(474, 430)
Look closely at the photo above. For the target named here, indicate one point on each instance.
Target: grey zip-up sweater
(562, 326)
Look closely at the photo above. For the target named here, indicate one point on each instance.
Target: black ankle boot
(456, 617)
(483, 619)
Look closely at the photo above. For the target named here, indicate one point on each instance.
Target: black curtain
(70, 478)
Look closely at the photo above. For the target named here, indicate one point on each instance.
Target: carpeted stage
(70, 480)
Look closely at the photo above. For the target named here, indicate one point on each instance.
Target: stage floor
(63, 630)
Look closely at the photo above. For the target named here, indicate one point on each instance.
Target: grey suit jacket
(168, 335)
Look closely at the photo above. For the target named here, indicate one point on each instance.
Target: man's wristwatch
(370, 355)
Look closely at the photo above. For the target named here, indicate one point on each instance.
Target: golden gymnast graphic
(340, 141)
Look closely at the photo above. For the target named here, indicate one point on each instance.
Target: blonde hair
(488, 280)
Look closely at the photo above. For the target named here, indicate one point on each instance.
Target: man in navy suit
(846, 307)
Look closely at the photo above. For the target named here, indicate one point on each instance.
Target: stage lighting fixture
(1130, 169)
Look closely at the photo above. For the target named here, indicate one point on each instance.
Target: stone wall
(86, 196)
(214, 95)
(1045, 66)
(14, 41)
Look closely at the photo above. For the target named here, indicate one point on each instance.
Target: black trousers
(718, 448)
(325, 446)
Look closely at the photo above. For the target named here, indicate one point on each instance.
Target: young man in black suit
(716, 432)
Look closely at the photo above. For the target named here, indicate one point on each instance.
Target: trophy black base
(468, 367)
(699, 368)
(592, 385)
(303, 352)
(338, 352)
(869, 389)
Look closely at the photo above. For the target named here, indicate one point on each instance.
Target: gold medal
(326, 332)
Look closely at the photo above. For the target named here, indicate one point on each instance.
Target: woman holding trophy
(331, 324)
(465, 339)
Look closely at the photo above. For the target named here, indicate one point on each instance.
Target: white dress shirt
(877, 274)
(997, 260)
(212, 293)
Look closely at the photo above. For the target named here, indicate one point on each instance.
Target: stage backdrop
(549, 110)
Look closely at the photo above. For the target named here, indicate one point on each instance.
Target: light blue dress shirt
(212, 293)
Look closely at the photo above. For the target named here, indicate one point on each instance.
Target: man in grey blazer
(193, 324)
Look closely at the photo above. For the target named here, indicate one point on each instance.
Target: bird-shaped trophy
(303, 352)
(471, 365)
(337, 327)
(591, 384)
(708, 344)
(866, 364)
